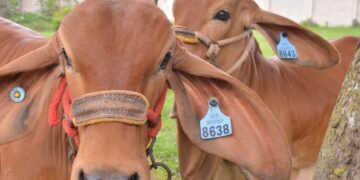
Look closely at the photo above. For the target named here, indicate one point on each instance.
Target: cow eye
(222, 15)
(166, 60)
(66, 57)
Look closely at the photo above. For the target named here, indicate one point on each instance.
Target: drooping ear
(312, 50)
(257, 143)
(19, 119)
(36, 59)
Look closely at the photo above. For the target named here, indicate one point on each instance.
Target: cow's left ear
(36, 59)
(257, 143)
(312, 50)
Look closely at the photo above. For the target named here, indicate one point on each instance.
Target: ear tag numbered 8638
(285, 49)
(215, 124)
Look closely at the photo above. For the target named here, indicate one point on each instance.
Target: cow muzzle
(113, 136)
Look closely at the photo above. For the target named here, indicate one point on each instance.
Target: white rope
(243, 56)
(215, 46)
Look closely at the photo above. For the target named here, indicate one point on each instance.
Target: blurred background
(320, 12)
(329, 18)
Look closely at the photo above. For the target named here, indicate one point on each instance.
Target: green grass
(335, 32)
(48, 33)
(165, 150)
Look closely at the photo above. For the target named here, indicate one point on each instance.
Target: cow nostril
(81, 175)
(134, 177)
(106, 176)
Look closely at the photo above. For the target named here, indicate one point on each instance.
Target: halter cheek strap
(191, 37)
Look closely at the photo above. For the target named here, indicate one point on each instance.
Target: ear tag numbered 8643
(285, 49)
(215, 124)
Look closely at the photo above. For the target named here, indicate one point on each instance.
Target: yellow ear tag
(187, 39)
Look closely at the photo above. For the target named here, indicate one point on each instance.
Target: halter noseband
(124, 99)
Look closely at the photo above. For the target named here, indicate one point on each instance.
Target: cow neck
(62, 96)
(246, 72)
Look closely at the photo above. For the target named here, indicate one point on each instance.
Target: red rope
(154, 116)
(67, 121)
(63, 94)
(54, 111)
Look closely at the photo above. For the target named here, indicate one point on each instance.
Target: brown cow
(112, 60)
(301, 98)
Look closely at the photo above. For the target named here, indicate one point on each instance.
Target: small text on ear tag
(285, 49)
(215, 124)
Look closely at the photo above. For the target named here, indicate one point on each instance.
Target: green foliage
(34, 21)
(59, 15)
(49, 7)
(47, 19)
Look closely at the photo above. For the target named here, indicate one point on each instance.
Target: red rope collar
(62, 95)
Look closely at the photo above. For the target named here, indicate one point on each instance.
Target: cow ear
(36, 59)
(20, 120)
(257, 143)
(312, 50)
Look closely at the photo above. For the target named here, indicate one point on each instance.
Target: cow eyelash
(166, 60)
(66, 57)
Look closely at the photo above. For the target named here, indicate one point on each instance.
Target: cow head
(218, 20)
(112, 56)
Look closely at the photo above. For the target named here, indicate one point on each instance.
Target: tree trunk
(340, 153)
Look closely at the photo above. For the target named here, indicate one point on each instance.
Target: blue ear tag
(285, 49)
(215, 124)
(17, 94)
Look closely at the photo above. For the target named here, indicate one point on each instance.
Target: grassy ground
(48, 33)
(166, 148)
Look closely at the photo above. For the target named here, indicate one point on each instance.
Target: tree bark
(340, 153)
